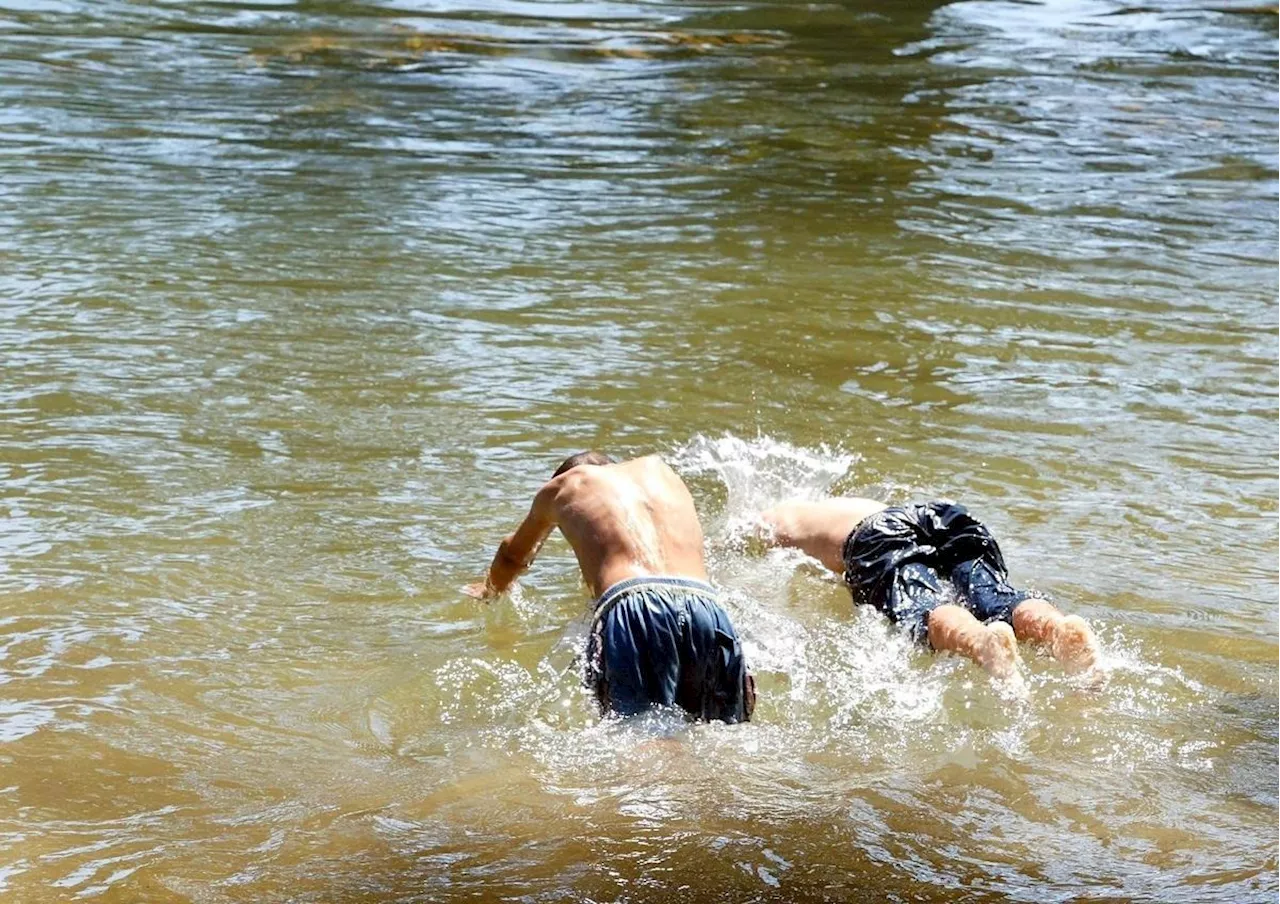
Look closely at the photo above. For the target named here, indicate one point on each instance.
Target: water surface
(301, 301)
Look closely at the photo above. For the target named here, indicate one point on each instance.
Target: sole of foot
(1075, 646)
(1000, 654)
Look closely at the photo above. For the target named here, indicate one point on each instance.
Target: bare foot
(1075, 646)
(999, 654)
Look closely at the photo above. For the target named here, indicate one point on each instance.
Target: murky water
(300, 301)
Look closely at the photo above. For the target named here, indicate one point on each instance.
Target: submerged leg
(1069, 638)
(954, 629)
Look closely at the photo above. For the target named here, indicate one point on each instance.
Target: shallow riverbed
(301, 301)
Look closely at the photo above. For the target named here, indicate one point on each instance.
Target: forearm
(505, 568)
(519, 548)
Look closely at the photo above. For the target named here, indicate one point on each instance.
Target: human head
(583, 458)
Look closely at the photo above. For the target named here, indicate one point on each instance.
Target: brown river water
(301, 301)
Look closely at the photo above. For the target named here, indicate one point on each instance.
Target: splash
(831, 672)
(840, 686)
(849, 706)
(760, 472)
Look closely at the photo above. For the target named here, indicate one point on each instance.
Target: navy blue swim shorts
(663, 641)
(907, 560)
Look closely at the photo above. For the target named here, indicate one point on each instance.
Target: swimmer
(938, 572)
(658, 634)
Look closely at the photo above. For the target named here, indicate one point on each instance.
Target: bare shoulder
(584, 482)
(648, 463)
(650, 470)
(658, 471)
(572, 482)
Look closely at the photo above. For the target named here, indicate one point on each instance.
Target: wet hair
(582, 458)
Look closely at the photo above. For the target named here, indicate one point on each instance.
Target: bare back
(818, 529)
(629, 520)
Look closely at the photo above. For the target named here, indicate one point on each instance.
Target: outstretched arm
(518, 549)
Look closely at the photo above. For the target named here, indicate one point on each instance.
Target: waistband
(614, 591)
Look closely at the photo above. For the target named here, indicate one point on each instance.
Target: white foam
(759, 472)
(843, 692)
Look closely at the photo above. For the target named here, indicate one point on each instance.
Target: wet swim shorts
(908, 560)
(662, 641)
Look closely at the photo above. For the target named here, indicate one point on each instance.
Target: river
(301, 301)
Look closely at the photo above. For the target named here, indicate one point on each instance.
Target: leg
(991, 598)
(954, 629)
(1068, 637)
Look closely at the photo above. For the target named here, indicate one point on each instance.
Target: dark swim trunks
(662, 641)
(908, 560)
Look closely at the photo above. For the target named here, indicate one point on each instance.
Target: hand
(479, 590)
